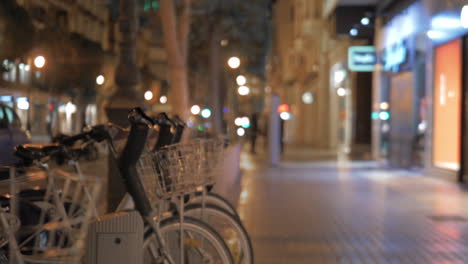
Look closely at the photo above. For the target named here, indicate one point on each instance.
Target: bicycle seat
(32, 152)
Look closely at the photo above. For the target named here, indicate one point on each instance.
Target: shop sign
(362, 58)
(395, 57)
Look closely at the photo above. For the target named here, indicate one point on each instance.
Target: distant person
(253, 132)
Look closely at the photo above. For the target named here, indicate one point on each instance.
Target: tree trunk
(177, 57)
(215, 74)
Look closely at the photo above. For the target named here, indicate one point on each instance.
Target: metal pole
(181, 229)
(126, 78)
(274, 135)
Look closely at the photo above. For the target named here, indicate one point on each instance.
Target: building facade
(308, 70)
(79, 42)
(422, 50)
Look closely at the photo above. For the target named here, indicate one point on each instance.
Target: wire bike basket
(180, 168)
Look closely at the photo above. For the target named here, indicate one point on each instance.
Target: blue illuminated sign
(362, 58)
(398, 56)
(6, 98)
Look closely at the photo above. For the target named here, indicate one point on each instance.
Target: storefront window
(447, 105)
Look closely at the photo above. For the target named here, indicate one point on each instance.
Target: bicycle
(206, 155)
(55, 229)
(187, 236)
(208, 210)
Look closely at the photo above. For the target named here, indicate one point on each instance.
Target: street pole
(125, 98)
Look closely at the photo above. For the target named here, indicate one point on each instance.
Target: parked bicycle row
(45, 213)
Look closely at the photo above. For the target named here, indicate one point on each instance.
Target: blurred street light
(307, 98)
(353, 32)
(148, 95)
(70, 108)
(22, 103)
(283, 108)
(224, 42)
(100, 80)
(341, 91)
(241, 80)
(234, 62)
(245, 122)
(240, 132)
(285, 115)
(39, 62)
(163, 99)
(243, 90)
(365, 21)
(206, 113)
(238, 121)
(195, 109)
(384, 115)
(384, 106)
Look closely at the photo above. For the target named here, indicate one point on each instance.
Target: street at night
(233, 131)
(352, 212)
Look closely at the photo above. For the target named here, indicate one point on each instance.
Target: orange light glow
(283, 108)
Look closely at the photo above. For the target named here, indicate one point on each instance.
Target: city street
(360, 105)
(351, 212)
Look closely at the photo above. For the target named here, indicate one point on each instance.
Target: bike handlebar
(138, 116)
(131, 154)
(165, 136)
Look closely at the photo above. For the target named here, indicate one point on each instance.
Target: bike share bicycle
(169, 223)
(47, 224)
(204, 204)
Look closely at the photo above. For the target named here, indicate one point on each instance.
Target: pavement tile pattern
(352, 212)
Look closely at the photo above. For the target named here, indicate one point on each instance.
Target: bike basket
(180, 168)
(210, 160)
(169, 171)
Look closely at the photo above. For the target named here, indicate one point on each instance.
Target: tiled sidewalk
(353, 213)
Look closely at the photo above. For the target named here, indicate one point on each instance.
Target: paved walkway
(325, 212)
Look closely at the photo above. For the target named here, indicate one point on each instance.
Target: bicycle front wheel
(228, 226)
(202, 245)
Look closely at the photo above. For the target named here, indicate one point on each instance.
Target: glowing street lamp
(39, 62)
(241, 80)
(384, 106)
(285, 115)
(148, 95)
(195, 109)
(245, 122)
(206, 113)
(100, 80)
(238, 121)
(243, 90)
(365, 21)
(341, 91)
(234, 62)
(240, 132)
(163, 99)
